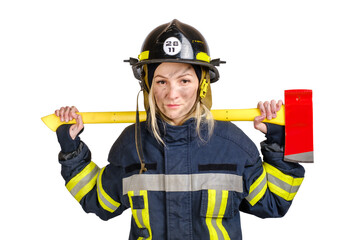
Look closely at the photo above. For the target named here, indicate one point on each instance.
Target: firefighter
(182, 174)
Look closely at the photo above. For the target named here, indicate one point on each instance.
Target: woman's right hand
(67, 114)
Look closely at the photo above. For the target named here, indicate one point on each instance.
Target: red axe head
(298, 126)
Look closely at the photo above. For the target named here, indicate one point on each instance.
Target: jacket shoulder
(230, 132)
(125, 140)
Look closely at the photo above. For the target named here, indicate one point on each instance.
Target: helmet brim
(138, 72)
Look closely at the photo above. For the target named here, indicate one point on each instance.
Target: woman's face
(175, 88)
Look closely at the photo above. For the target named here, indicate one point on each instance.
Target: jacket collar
(177, 135)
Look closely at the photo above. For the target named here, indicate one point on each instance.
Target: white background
(55, 53)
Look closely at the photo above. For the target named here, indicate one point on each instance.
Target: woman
(184, 175)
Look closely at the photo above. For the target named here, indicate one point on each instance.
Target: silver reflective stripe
(216, 213)
(306, 157)
(85, 180)
(183, 182)
(139, 212)
(257, 190)
(106, 202)
(281, 184)
(102, 198)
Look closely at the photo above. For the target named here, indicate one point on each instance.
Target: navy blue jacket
(191, 189)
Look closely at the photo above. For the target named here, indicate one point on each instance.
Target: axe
(296, 116)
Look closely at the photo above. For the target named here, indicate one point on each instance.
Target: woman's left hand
(268, 111)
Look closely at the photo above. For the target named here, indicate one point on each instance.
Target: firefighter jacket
(192, 189)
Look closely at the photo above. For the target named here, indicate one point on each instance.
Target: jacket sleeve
(98, 190)
(271, 185)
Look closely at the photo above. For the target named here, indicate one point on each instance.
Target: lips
(172, 105)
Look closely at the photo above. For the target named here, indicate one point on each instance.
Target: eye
(185, 81)
(161, 82)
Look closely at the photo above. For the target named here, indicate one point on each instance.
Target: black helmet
(175, 42)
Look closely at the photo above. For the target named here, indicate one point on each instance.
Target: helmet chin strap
(138, 142)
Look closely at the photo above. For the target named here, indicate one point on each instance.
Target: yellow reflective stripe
(209, 214)
(257, 189)
(217, 201)
(134, 213)
(145, 212)
(224, 200)
(71, 184)
(203, 57)
(144, 222)
(281, 192)
(286, 178)
(83, 182)
(281, 184)
(105, 200)
(144, 55)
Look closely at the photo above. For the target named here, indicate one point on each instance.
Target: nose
(172, 92)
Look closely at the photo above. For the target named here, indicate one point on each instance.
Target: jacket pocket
(216, 206)
(140, 212)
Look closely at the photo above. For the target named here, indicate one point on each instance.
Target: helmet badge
(172, 46)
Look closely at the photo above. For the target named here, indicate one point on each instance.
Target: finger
(79, 121)
(75, 129)
(278, 105)
(273, 108)
(72, 114)
(61, 113)
(267, 106)
(73, 109)
(71, 117)
(258, 120)
(261, 107)
(259, 125)
(67, 113)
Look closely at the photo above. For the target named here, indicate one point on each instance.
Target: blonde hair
(199, 111)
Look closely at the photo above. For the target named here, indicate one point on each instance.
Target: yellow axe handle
(53, 122)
